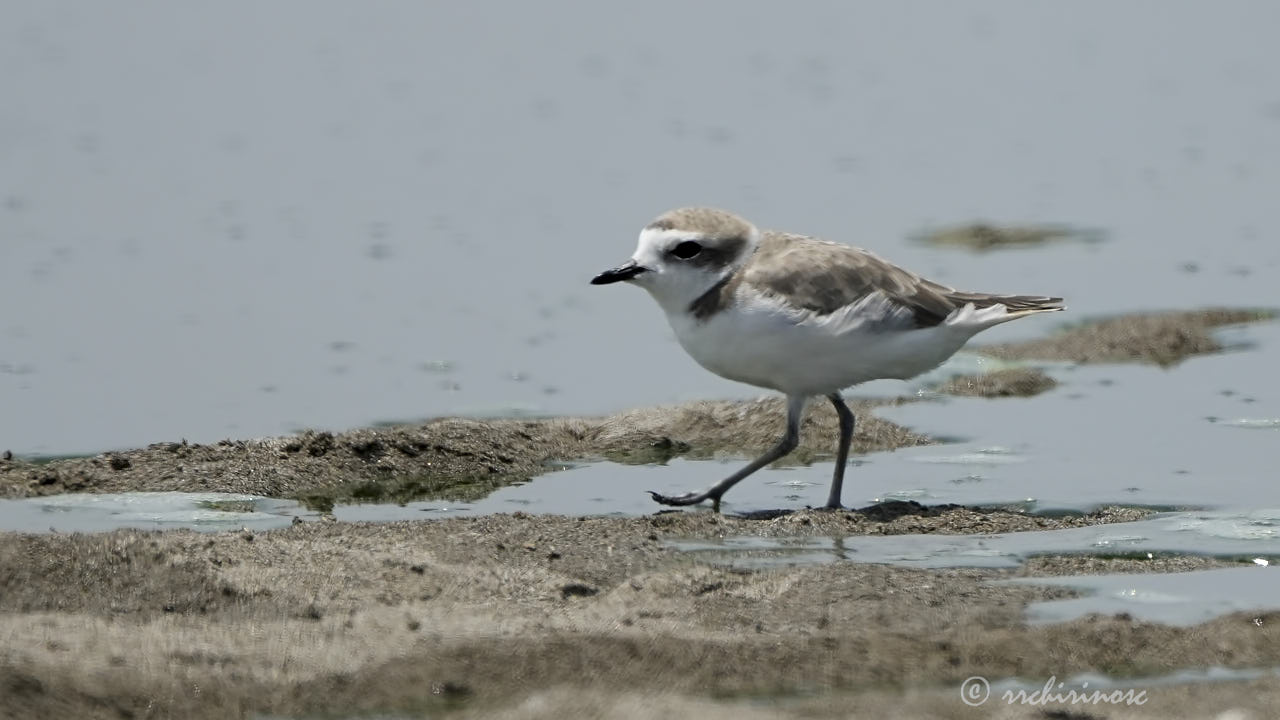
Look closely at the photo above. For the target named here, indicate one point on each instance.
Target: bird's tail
(981, 308)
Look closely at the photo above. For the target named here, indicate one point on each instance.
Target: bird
(800, 315)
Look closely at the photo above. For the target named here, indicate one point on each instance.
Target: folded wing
(826, 278)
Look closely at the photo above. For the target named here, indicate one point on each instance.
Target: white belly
(761, 346)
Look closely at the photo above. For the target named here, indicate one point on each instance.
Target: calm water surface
(237, 219)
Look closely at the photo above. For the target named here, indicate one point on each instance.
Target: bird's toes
(686, 499)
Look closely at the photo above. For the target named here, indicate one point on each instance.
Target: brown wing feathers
(835, 276)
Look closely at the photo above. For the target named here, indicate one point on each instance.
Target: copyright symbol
(975, 691)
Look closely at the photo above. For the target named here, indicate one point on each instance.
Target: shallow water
(90, 512)
(1188, 438)
(1186, 598)
(1199, 434)
(328, 216)
(1221, 534)
(1251, 534)
(1196, 436)
(1175, 598)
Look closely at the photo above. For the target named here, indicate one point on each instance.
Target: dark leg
(842, 451)
(795, 410)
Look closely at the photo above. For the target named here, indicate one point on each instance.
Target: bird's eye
(686, 249)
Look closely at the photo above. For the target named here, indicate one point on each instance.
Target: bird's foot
(689, 498)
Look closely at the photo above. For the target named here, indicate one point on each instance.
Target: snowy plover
(800, 315)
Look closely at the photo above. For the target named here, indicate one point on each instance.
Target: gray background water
(240, 218)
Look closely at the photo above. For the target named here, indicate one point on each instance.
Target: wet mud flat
(520, 615)
(545, 616)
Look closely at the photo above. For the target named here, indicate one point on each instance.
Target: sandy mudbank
(529, 616)
(1162, 339)
(451, 457)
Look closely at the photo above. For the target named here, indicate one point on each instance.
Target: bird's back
(823, 278)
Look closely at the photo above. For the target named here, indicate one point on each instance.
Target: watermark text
(976, 691)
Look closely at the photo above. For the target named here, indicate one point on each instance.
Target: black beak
(625, 271)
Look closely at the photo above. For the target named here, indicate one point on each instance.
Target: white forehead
(656, 240)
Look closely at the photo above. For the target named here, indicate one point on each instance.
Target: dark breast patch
(717, 298)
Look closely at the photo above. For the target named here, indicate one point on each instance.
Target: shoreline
(543, 616)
